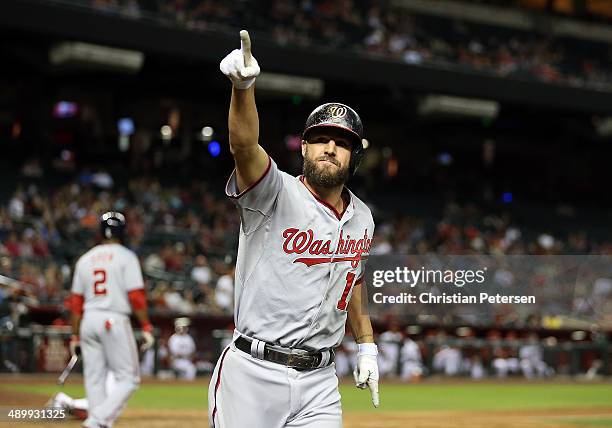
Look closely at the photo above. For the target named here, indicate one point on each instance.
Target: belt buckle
(290, 358)
(297, 360)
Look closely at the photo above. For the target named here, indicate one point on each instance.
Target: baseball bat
(62, 378)
(21, 287)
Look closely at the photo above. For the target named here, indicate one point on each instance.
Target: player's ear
(304, 142)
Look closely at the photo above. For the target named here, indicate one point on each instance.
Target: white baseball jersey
(298, 261)
(104, 275)
(181, 345)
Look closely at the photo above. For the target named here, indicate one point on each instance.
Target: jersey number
(100, 284)
(342, 303)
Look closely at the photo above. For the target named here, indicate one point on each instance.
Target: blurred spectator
(389, 343)
(12, 246)
(388, 31)
(153, 264)
(224, 291)
(176, 302)
(201, 272)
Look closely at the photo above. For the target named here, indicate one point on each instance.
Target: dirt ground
(188, 419)
(141, 418)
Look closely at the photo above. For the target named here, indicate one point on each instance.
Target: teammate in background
(182, 349)
(390, 342)
(532, 360)
(106, 287)
(447, 359)
(299, 272)
(504, 362)
(411, 361)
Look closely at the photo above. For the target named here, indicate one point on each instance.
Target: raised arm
(251, 159)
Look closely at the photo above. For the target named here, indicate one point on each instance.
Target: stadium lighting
(207, 132)
(65, 109)
(87, 55)
(166, 132)
(463, 331)
(550, 341)
(125, 125)
(449, 106)
(214, 148)
(124, 143)
(294, 87)
(445, 158)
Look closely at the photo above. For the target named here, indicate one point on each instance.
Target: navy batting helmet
(112, 225)
(343, 117)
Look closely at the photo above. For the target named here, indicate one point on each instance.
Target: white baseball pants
(108, 344)
(248, 392)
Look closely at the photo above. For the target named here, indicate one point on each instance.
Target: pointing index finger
(374, 390)
(245, 41)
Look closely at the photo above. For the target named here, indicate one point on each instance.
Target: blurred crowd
(377, 28)
(471, 230)
(186, 238)
(413, 354)
(584, 10)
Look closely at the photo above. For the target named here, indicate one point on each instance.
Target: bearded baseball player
(107, 286)
(300, 269)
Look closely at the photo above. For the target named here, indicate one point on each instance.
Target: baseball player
(531, 359)
(447, 359)
(107, 286)
(182, 348)
(299, 272)
(411, 361)
(390, 342)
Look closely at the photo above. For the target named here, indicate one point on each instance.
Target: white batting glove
(240, 65)
(147, 338)
(366, 372)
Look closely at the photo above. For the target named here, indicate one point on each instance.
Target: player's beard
(319, 176)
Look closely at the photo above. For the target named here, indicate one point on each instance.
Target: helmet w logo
(337, 112)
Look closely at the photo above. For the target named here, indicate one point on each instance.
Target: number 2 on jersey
(100, 282)
(342, 303)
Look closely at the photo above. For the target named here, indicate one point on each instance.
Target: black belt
(298, 360)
